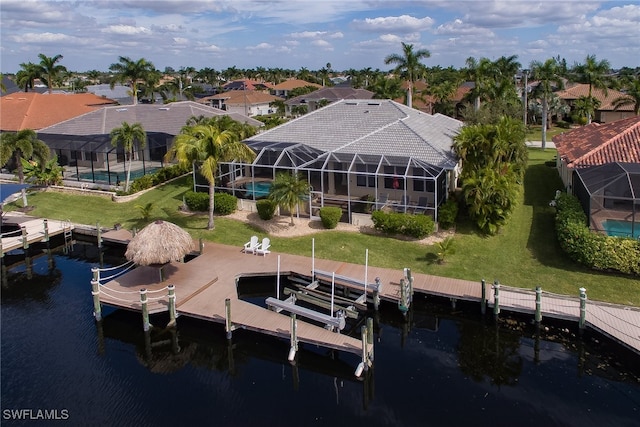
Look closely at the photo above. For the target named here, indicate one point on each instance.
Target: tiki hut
(159, 243)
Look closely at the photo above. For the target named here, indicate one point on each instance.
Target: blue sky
(311, 33)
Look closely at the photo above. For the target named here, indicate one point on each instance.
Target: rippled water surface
(440, 367)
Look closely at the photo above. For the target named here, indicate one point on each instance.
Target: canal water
(442, 366)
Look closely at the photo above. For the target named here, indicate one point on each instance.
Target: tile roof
(597, 144)
(239, 97)
(250, 85)
(363, 126)
(606, 101)
(31, 110)
(331, 94)
(293, 84)
(161, 118)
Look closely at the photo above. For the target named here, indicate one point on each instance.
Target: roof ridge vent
(164, 108)
(121, 109)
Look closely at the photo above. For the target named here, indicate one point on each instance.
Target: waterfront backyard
(524, 254)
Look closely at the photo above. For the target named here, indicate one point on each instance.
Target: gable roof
(606, 101)
(31, 110)
(597, 144)
(370, 127)
(163, 118)
(246, 84)
(293, 84)
(331, 94)
(240, 97)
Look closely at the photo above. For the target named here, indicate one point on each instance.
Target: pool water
(258, 189)
(115, 176)
(615, 227)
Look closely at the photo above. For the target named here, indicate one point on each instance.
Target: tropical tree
(408, 66)
(594, 73)
(584, 108)
(479, 73)
(127, 136)
(50, 70)
(631, 88)
(26, 76)
(131, 73)
(23, 144)
(549, 77)
(387, 88)
(206, 146)
(47, 173)
(3, 88)
(288, 191)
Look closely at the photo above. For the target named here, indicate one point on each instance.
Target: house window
(418, 183)
(394, 182)
(91, 155)
(366, 180)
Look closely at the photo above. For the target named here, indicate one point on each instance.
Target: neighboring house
(246, 102)
(9, 85)
(84, 144)
(326, 95)
(597, 144)
(425, 103)
(282, 89)
(246, 84)
(120, 93)
(355, 152)
(606, 112)
(32, 110)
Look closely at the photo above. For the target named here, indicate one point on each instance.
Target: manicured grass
(534, 133)
(524, 254)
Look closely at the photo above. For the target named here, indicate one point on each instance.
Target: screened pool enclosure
(610, 196)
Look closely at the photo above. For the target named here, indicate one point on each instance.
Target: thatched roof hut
(159, 243)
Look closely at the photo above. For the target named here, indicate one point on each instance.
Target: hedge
(418, 226)
(225, 204)
(592, 249)
(447, 213)
(330, 216)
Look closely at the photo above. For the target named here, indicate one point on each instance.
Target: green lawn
(524, 254)
(534, 133)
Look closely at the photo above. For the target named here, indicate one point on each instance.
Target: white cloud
(459, 27)
(261, 46)
(397, 24)
(308, 34)
(126, 30)
(180, 41)
(322, 44)
(41, 38)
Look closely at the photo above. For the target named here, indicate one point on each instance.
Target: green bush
(330, 216)
(197, 202)
(266, 208)
(225, 203)
(141, 183)
(418, 226)
(169, 172)
(447, 213)
(562, 124)
(592, 249)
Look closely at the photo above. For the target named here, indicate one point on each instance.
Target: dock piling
(294, 338)
(227, 324)
(538, 316)
(583, 307)
(45, 222)
(496, 299)
(99, 234)
(172, 306)
(146, 325)
(483, 300)
(376, 295)
(95, 291)
(25, 242)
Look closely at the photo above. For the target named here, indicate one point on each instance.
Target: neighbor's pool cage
(610, 196)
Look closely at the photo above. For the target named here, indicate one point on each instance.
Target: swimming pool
(259, 189)
(615, 227)
(115, 176)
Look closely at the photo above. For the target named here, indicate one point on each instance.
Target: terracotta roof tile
(31, 110)
(606, 101)
(237, 97)
(597, 144)
(293, 84)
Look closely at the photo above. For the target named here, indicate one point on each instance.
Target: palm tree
(594, 73)
(387, 88)
(479, 73)
(131, 73)
(288, 190)
(3, 88)
(26, 76)
(23, 144)
(127, 135)
(208, 145)
(49, 71)
(631, 87)
(408, 66)
(585, 107)
(548, 75)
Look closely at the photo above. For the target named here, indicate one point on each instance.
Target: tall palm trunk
(212, 190)
(129, 161)
(545, 113)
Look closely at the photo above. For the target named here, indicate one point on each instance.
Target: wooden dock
(32, 230)
(204, 283)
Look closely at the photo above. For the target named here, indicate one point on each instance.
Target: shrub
(330, 216)
(141, 183)
(225, 203)
(594, 250)
(266, 208)
(417, 226)
(562, 124)
(447, 213)
(198, 202)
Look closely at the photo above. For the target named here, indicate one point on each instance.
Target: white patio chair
(251, 246)
(263, 248)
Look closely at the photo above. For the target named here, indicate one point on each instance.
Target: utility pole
(526, 83)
